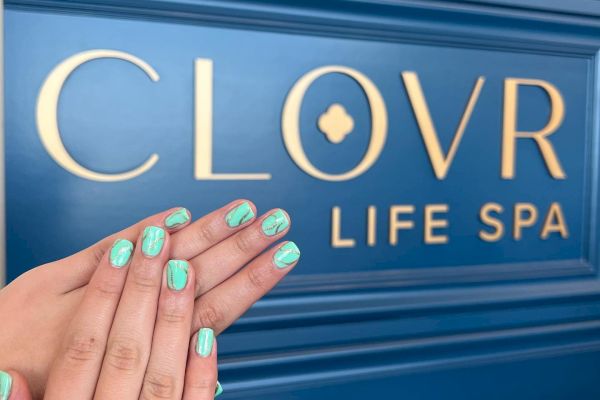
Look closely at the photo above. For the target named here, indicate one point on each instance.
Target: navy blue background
(385, 318)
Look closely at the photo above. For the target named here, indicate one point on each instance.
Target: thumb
(13, 386)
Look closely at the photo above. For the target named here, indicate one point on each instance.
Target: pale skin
(232, 269)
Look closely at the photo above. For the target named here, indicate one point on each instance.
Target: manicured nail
(177, 218)
(218, 389)
(120, 252)
(152, 241)
(6, 385)
(275, 223)
(177, 273)
(287, 254)
(206, 337)
(239, 215)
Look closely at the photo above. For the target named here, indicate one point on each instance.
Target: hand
(226, 249)
(117, 314)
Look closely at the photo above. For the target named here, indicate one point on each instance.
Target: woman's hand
(129, 337)
(224, 250)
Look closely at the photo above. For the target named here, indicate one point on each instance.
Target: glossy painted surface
(204, 345)
(177, 218)
(515, 319)
(287, 255)
(120, 253)
(239, 215)
(152, 240)
(177, 274)
(5, 385)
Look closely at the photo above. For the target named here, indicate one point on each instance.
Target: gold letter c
(46, 115)
(291, 117)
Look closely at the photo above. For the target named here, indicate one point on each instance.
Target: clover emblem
(335, 123)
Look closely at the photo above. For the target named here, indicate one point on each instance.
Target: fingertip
(239, 213)
(177, 218)
(13, 386)
(275, 222)
(286, 256)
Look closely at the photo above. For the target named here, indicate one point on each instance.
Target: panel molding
(304, 369)
(302, 310)
(366, 297)
(510, 27)
(431, 276)
(409, 21)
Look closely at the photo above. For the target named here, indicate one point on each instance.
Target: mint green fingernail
(177, 273)
(218, 389)
(206, 338)
(275, 223)
(287, 254)
(6, 385)
(177, 218)
(120, 252)
(152, 241)
(239, 215)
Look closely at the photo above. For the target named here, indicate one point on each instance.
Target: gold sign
(335, 123)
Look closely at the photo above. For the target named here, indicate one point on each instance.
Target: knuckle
(201, 384)
(172, 314)
(124, 355)
(209, 316)
(243, 243)
(98, 253)
(106, 288)
(81, 349)
(158, 386)
(145, 279)
(206, 234)
(259, 278)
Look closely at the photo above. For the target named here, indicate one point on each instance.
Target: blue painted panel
(469, 319)
(107, 102)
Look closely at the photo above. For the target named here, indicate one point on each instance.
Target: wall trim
(414, 21)
(257, 375)
(2, 177)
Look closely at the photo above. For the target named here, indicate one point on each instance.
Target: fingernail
(287, 254)
(120, 252)
(177, 218)
(177, 273)
(275, 223)
(206, 337)
(218, 389)
(152, 241)
(239, 215)
(6, 385)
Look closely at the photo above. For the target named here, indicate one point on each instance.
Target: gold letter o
(291, 118)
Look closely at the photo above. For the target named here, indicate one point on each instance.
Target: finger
(130, 339)
(212, 229)
(77, 365)
(201, 374)
(224, 304)
(76, 270)
(224, 259)
(13, 386)
(165, 373)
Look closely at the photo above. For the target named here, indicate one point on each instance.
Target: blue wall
(466, 319)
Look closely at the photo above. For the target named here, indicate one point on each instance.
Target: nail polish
(275, 223)
(287, 254)
(5, 385)
(177, 218)
(206, 338)
(218, 389)
(177, 273)
(120, 253)
(152, 241)
(239, 215)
